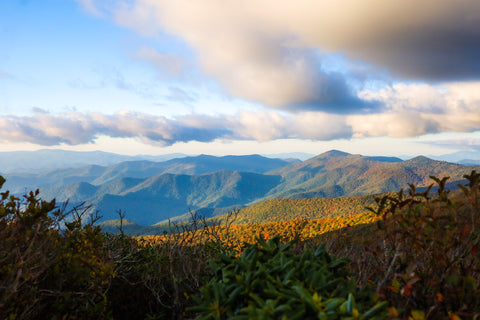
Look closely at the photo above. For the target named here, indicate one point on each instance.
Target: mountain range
(100, 175)
(151, 192)
(46, 160)
(462, 157)
(52, 159)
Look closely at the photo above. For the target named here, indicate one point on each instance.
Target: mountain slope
(148, 197)
(167, 195)
(47, 160)
(335, 173)
(100, 175)
(150, 200)
(276, 210)
(191, 166)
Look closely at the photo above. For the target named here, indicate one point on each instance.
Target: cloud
(75, 128)
(432, 40)
(268, 66)
(468, 144)
(265, 126)
(414, 110)
(180, 95)
(409, 111)
(273, 53)
(91, 6)
(168, 65)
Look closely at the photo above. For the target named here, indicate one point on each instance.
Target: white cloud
(261, 126)
(320, 126)
(90, 6)
(269, 51)
(409, 111)
(74, 128)
(413, 110)
(168, 65)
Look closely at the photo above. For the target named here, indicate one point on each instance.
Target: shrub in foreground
(424, 255)
(269, 281)
(47, 271)
(55, 266)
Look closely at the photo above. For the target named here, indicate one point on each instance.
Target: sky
(374, 77)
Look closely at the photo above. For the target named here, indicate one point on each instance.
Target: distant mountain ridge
(54, 159)
(151, 192)
(336, 174)
(99, 175)
(47, 160)
(150, 200)
(458, 157)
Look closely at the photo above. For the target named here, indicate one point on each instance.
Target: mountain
(385, 159)
(47, 160)
(99, 175)
(290, 155)
(151, 192)
(270, 211)
(276, 210)
(469, 162)
(335, 174)
(191, 166)
(458, 157)
(148, 201)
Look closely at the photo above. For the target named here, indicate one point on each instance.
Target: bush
(424, 256)
(54, 266)
(154, 279)
(269, 281)
(424, 259)
(47, 271)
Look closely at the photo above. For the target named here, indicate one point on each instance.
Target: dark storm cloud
(445, 53)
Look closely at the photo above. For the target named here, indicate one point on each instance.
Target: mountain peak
(420, 159)
(333, 153)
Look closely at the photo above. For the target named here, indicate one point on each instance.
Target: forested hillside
(276, 210)
(99, 175)
(335, 174)
(212, 185)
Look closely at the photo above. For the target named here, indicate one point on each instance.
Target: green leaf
(377, 309)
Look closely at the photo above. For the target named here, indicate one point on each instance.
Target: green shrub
(269, 281)
(425, 257)
(47, 271)
(54, 266)
(155, 277)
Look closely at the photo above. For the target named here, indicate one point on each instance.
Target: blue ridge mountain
(337, 174)
(99, 175)
(148, 201)
(47, 160)
(149, 193)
